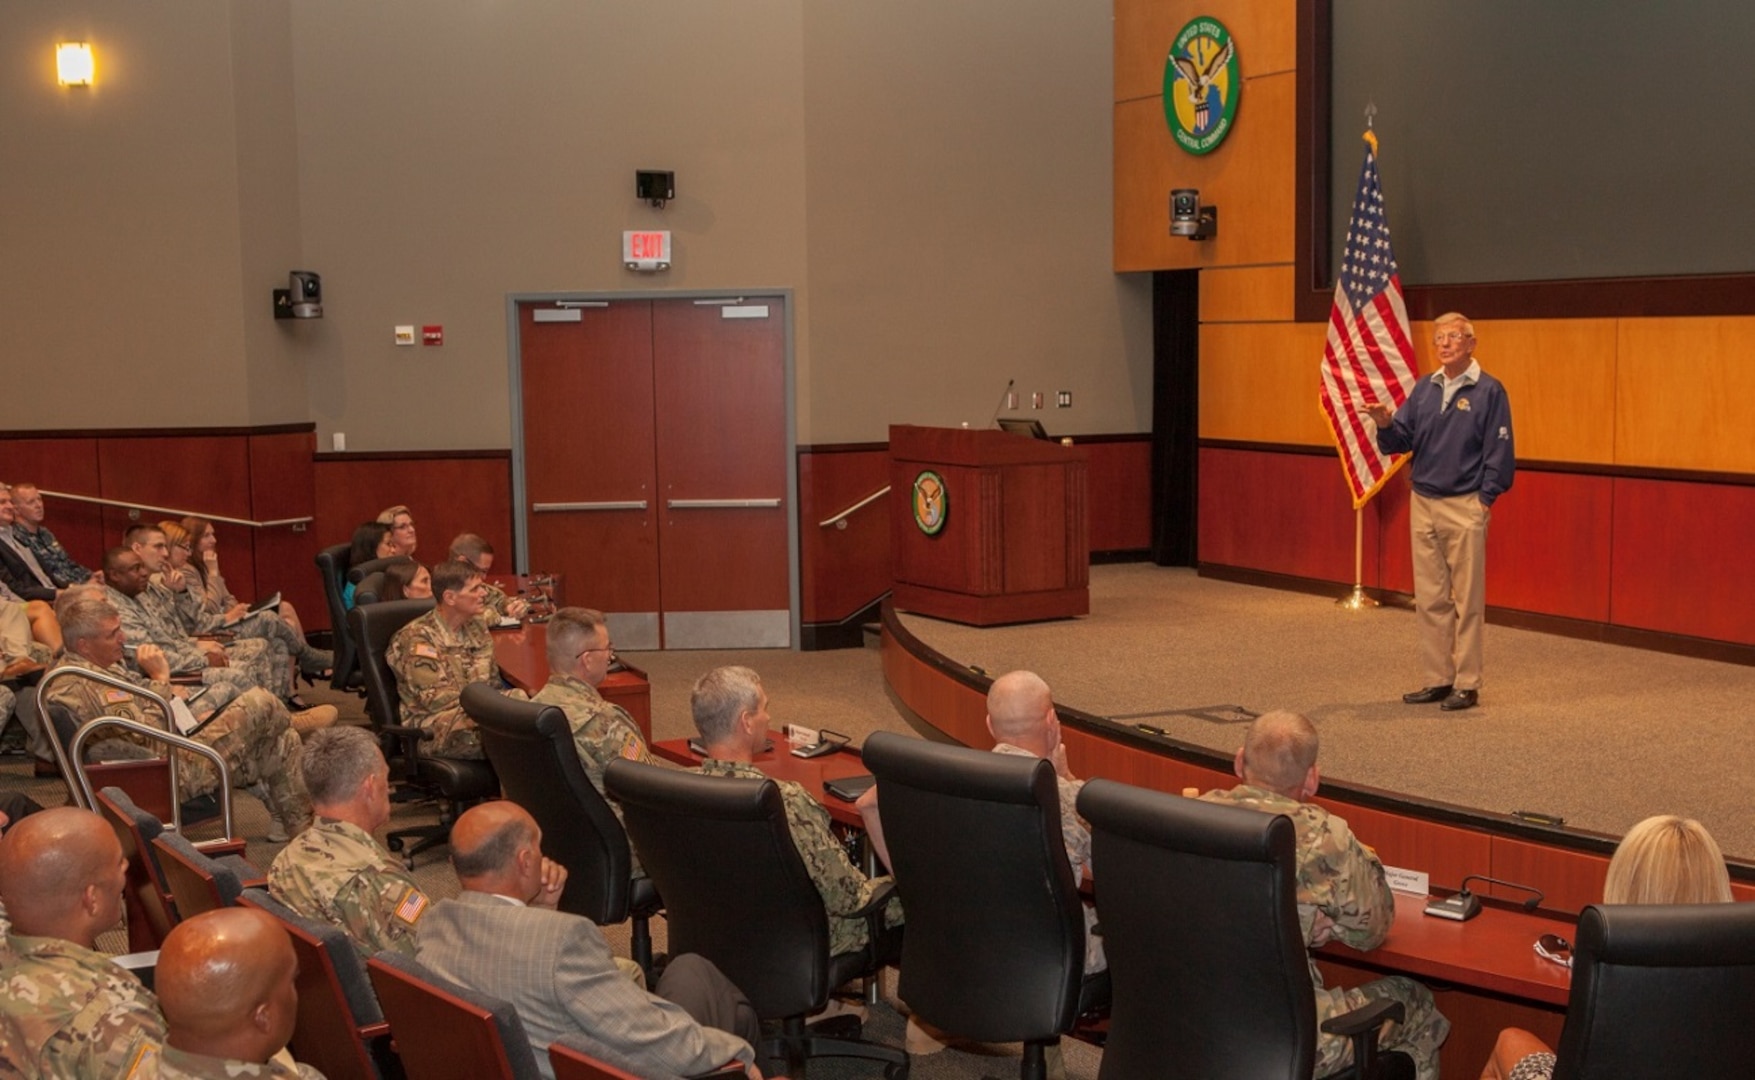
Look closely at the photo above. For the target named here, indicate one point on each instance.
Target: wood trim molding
(870, 447)
(1700, 294)
(1573, 468)
(410, 455)
(159, 433)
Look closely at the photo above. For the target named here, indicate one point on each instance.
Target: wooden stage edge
(1447, 841)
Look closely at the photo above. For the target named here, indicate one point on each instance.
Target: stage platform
(1599, 735)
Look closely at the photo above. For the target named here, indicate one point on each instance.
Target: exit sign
(646, 251)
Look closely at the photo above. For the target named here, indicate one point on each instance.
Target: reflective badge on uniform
(426, 650)
(111, 697)
(414, 902)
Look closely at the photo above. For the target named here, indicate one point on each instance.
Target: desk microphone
(1465, 905)
(997, 409)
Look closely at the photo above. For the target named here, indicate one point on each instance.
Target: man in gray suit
(502, 937)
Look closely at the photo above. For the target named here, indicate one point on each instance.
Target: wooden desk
(522, 654)
(781, 765)
(1484, 973)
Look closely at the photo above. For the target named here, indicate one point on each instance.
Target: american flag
(1369, 356)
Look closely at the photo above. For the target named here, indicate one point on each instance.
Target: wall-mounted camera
(656, 186)
(1189, 218)
(302, 299)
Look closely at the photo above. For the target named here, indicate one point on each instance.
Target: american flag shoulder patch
(144, 1063)
(412, 906)
(112, 697)
(425, 649)
(631, 747)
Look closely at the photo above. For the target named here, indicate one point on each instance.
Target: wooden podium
(1001, 536)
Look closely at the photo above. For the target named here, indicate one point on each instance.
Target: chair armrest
(1361, 1027)
(729, 1071)
(248, 874)
(373, 1031)
(220, 846)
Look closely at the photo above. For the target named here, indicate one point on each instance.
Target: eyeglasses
(610, 649)
(404, 525)
(1556, 948)
(1449, 335)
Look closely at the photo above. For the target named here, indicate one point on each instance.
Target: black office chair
(370, 589)
(1661, 990)
(1210, 974)
(736, 892)
(531, 748)
(995, 949)
(454, 782)
(332, 566)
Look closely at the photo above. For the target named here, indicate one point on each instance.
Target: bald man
(502, 937)
(66, 1010)
(1342, 892)
(225, 982)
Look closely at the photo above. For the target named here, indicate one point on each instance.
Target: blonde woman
(1662, 860)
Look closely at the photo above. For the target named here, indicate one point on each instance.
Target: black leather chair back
(361, 571)
(734, 888)
(373, 627)
(332, 565)
(370, 589)
(995, 946)
(1206, 958)
(1661, 990)
(531, 748)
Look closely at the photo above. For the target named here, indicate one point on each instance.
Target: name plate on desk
(1412, 882)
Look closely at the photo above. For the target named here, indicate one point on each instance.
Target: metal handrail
(307, 519)
(840, 520)
(72, 759)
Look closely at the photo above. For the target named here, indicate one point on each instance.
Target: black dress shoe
(1461, 699)
(1428, 695)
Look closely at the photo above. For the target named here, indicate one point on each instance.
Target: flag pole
(1357, 600)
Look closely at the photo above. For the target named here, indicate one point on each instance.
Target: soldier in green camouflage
(472, 550)
(149, 615)
(437, 655)
(335, 871)
(1343, 894)
(252, 732)
(225, 980)
(579, 655)
(65, 1009)
(731, 713)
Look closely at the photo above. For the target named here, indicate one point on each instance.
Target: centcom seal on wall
(1202, 81)
(932, 503)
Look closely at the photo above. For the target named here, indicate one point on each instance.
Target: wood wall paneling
(1120, 494)
(69, 465)
(1560, 375)
(1284, 513)
(1250, 178)
(1259, 383)
(208, 474)
(1678, 563)
(448, 495)
(1246, 294)
(842, 570)
(1548, 545)
(1685, 394)
(283, 485)
(1265, 32)
(1569, 880)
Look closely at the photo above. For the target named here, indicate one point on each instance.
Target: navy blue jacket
(1462, 449)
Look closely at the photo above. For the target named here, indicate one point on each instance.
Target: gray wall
(932, 180)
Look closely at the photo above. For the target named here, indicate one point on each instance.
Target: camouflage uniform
(602, 732)
(337, 873)
(496, 600)
(1343, 880)
(153, 1060)
(1076, 833)
(843, 888)
(51, 556)
(66, 1011)
(253, 733)
(198, 617)
(432, 666)
(152, 617)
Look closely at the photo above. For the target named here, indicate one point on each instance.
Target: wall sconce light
(73, 63)
(1189, 218)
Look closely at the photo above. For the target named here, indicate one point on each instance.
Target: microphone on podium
(997, 409)
(1465, 905)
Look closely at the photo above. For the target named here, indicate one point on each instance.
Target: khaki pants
(1450, 587)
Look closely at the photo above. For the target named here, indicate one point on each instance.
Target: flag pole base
(1357, 600)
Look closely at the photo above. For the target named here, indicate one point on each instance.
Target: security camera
(1189, 218)
(307, 294)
